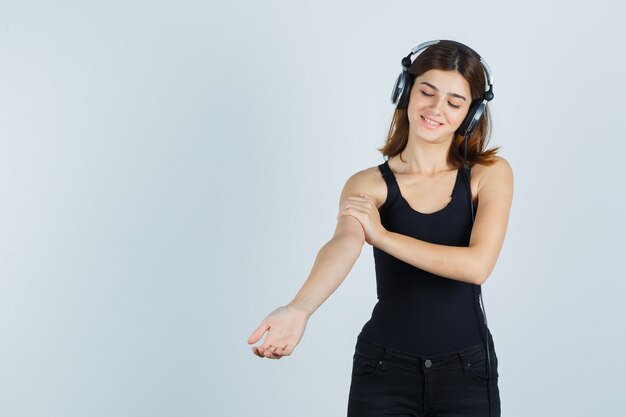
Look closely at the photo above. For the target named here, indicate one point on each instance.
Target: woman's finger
(362, 199)
(356, 201)
(258, 333)
(255, 350)
(269, 354)
(354, 208)
(282, 350)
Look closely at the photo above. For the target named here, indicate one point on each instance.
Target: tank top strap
(467, 174)
(392, 186)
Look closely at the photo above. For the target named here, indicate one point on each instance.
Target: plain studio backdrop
(169, 170)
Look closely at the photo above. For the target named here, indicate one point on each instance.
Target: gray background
(169, 170)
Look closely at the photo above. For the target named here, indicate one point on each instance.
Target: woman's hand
(285, 327)
(363, 208)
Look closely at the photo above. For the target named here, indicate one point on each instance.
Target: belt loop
(464, 363)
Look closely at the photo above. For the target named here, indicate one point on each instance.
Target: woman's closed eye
(430, 95)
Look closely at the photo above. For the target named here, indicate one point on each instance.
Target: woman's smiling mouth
(429, 123)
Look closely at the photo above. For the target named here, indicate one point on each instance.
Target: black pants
(389, 382)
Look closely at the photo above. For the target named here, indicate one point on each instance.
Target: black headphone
(400, 97)
(404, 82)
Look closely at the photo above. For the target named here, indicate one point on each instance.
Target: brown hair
(448, 56)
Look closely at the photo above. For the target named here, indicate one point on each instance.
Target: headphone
(400, 97)
(402, 89)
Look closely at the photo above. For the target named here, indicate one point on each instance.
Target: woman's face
(444, 98)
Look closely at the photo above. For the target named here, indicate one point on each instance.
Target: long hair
(448, 56)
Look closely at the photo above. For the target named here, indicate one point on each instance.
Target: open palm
(285, 327)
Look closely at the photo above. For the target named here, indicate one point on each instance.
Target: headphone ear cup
(397, 89)
(474, 114)
(405, 80)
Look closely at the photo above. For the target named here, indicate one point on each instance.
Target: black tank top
(417, 311)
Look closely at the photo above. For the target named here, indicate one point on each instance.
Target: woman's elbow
(484, 271)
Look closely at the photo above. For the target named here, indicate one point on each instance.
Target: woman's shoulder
(499, 164)
(368, 181)
(499, 168)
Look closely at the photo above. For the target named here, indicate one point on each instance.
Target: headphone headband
(405, 65)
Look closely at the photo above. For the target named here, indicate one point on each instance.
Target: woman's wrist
(300, 307)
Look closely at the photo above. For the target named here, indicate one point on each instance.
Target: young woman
(436, 230)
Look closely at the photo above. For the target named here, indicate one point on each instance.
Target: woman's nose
(437, 106)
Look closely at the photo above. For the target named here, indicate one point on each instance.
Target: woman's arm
(332, 264)
(337, 257)
(472, 264)
(285, 325)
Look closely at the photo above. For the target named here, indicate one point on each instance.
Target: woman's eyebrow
(450, 94)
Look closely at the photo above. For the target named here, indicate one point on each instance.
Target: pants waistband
(472, 353)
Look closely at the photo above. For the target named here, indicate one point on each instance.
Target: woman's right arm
(332, 264)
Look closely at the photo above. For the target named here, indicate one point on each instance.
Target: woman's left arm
(474, 263)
